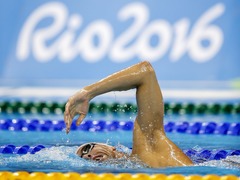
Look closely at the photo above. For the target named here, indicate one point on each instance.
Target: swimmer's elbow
(148, 70)
(147, 67)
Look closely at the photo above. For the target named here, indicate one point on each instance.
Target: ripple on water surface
(64, 159)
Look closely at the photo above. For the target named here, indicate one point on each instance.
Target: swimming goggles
(87, 148)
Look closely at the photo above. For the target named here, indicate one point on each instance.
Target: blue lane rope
(223, 128)
(202, 154)
(11, 149)
(211, 154)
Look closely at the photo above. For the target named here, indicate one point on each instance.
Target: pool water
(63, 159)
(59, 154)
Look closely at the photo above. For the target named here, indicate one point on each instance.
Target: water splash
(61, 158)
(231, 162)
(121, 148)
(64, 159)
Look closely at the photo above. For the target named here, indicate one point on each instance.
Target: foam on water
(231, 162)
(64, 159)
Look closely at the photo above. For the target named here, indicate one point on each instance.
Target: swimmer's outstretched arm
(150, 143)
(129, 78)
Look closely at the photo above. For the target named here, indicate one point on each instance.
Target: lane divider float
(22, 175)
(192, 153)
(221, 128)
(47, 107)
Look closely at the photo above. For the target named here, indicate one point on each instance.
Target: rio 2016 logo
(177, 39)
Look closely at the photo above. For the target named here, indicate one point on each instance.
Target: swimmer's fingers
(80, 119)
(68, 123)
(67, 118)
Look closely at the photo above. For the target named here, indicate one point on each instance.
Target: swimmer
(150, 143)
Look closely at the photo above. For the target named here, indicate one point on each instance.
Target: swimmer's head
(98, 152)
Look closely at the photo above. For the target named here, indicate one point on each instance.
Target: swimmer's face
(98, 152)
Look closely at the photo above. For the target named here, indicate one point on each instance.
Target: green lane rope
(46, 107)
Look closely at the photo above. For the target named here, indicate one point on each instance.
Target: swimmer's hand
(77, 104)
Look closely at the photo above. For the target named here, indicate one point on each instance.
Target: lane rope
(201, 153)
(47, 107)
(22, 175)
(221, 128)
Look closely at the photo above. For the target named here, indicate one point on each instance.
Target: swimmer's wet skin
(150, 143)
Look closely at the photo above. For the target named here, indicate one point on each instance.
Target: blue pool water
(63, 159)
(59, 154)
